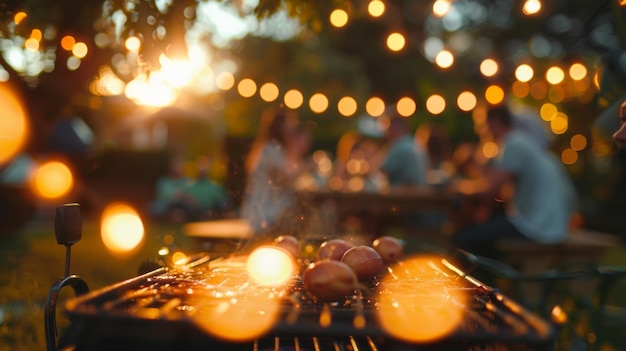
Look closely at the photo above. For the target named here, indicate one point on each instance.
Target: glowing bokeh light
(406, 106)
(318, 103)
(422, 314)
(239, 318)
(293, 99)
(441, 7)
(14, 131)
(338, 18)
(435, 104)
(36, 34)
(555, 75)
(121, 228)
(19, 17)
(560, 123)
(132, 44)
(524, 73)
(150, 91)
(444, 59)
(578, 142)
(376, 8)
(490, 149)
(569, 156)
(375, 106)
(347, 106)
(577, 71)
(225, 80)
(31, 44)
(269, 92)
(246, 87)
(489, 67)
(73, 63)
(179, 258)
(52, 180)
(520, 89)
(548, 111)
(356, 183)
(178, 73)
(466, 101)
(270, 266)
(67, 42)
(494, 94)
(396, 41)
(531, 7)
(80, 50)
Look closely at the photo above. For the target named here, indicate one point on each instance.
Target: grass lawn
(32, 261)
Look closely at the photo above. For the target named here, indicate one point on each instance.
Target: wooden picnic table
(377, 209)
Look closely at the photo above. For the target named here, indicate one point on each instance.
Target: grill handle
(68, 231)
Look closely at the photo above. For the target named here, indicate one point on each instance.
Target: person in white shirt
(524, 176)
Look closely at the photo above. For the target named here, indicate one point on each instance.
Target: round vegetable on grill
(389, 248)
(329, 280)
(333, 249)
(364, 261)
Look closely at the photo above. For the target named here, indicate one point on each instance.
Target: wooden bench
(581, 245)
(222, 235)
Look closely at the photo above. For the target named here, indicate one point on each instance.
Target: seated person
(524, 178)
(406, 162)
(211, 198)
(172, 201)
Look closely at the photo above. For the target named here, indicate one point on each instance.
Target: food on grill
(389, 248)
(364, 261)
(329, 280)
(333, 249)
(289, 243)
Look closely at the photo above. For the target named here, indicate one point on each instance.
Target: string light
(339, 18)
(376, 8)
(531, 7)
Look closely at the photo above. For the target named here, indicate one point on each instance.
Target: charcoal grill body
(107, 319)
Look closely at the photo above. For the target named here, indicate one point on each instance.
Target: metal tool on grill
(68, 231)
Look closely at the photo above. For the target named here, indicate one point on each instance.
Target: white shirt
(542, 199)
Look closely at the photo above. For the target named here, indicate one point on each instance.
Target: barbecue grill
(209, 303)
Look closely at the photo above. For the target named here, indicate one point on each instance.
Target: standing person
(524, 177)
(269, 201)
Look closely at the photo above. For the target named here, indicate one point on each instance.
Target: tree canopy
(313, 55)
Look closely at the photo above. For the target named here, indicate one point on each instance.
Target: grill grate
(159, 311)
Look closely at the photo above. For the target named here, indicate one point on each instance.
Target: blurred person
(435, 141)
(528, 184)
(365, 150)
(406, 162)
(211, 198)
(270, 201)
(299, 143)
(172, 200)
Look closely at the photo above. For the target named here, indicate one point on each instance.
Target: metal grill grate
(155, 311)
